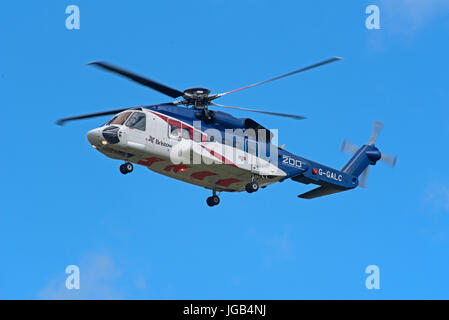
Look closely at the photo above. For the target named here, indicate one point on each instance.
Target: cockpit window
(119, 119)
(137, 121)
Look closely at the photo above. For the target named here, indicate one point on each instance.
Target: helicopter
(185, 140)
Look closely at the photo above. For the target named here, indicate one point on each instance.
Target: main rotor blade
(322, 63)
(264, 112)
(139, 79)
(62, 121)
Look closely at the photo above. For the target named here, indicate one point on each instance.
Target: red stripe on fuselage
(227, 182)
(150, 161)
(201, 175)
(163, 117)
(219, 156)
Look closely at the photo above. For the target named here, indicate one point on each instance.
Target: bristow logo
(151, 139)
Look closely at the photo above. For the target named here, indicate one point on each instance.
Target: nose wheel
(126, 168)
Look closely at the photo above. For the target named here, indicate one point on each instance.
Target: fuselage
(222, 156)
(173, 142)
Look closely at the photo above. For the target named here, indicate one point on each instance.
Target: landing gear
(252, 187)
(126, 168)
(212, 201)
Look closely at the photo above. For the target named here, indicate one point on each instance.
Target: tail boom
(332, 180)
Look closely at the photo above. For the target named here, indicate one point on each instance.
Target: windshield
(137, 121)
(119, 119)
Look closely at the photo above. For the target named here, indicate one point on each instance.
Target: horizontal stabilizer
(320, 192)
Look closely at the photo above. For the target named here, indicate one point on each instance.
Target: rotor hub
(198, 97)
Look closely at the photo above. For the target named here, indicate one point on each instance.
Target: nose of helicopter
(94, 137)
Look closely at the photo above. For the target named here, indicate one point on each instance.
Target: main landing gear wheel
(252, 187)
(213, 201)
(126, 168)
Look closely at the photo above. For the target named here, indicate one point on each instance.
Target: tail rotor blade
(375, 133)
(390, 160)
(349, 147)
(364, 177)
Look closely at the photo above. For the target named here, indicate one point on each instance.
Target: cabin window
(137, 121)
(214, 135)
(238, 145)
(174, 128)
(187, 132)
(251, 147)
(196, 136)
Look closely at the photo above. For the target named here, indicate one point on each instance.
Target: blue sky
(143, 236)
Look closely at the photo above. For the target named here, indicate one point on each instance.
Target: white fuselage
(174, 148)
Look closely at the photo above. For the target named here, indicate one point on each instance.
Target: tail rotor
(351, 148)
